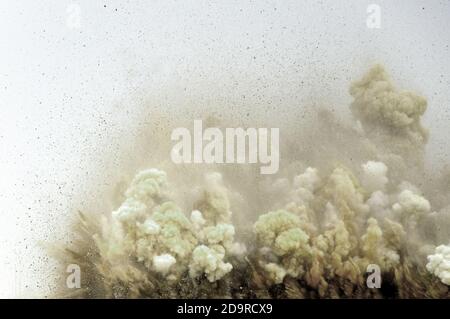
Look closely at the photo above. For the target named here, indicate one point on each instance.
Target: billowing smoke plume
(346, 197)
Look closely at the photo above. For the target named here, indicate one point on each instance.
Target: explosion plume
(347, 196)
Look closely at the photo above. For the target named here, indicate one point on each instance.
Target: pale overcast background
(72, 74)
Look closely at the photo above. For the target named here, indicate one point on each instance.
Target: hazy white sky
(72, 72)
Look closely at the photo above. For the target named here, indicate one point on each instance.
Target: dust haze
(352, 191)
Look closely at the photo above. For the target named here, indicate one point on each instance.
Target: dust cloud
(351, 191)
